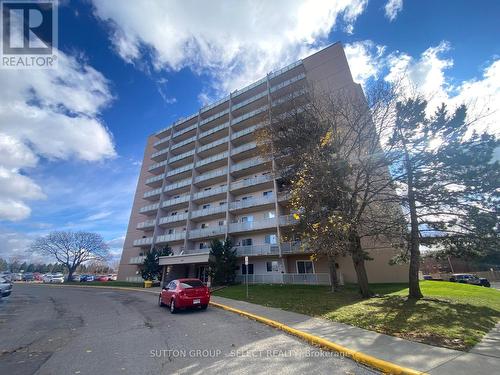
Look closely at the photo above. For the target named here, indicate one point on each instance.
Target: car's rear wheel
(160, 302)
(173, 309)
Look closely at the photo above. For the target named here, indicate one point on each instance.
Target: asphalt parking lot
(62, 330)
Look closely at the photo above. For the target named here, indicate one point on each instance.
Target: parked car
(5, 287)
(47, 278)
(58, 278)
(17, 277)
(184, 293)
(469, 278)
(28, 276)
(102, 278)
(37, 276)
(112, 277)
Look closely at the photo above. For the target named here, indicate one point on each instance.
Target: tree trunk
(414, 283)
(70, 273)
(358, 260)
(334, 281)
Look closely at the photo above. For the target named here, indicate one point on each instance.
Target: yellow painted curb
(379, 364)
(97, 287)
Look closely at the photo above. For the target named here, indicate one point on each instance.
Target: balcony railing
(252, 202)
(155, 179)
(185, 130)
(207, 232)
(183, 143)
(243, 148)
(288, 220)
(288, 82)
(146, 224)
(287, 98)
(287, 278)
(181, 156)
(250, 114)
(158, 153)
(249, 100)
(252, 225)
(209, 175)
(137, 260)
(214, 117)
(161, 141)
(264, 249)
(251, 181)
(152, 193)
(157, 165)
(214, 104)
(143, 241)
(214, 130)
(212, 159)
(208, 211)
(246, 131)
(249, 87)
(285, 69)
(209, 193)
(173, 218)
(171, 237)
(149, 208)
(249, 163)
(178, 185)
(174, 201)
(205, 250)
(184, 168)
(213, 144)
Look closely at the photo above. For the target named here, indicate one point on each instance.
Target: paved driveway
(63, 330)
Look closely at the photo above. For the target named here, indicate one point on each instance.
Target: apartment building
(203, 178)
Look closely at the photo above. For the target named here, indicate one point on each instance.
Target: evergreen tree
(223, 262)
(151, 269)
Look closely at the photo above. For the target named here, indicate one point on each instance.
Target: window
(208, 188)
(186, 210)
(206, 205)
(271, 239)
(173, 213)
(268, 193)
(305, 266)
(246, 198)
(246, 242)
(222, 223)
(244, 269)
(171, 231)
(204, 225)
(203, 245)
(272, 266)
(172, 285)
(271, 215)
(176, 196)
(247, 219)
(222, 203)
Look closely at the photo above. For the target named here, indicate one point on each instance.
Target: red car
(184, 293)
(102, 278)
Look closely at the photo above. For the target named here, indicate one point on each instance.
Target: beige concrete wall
(132, 234)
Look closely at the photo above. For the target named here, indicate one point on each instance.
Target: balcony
(157, 167)
(210, 193)
(212, 159)
(288, 82)
(214, 117)
(152, 193)
(211, 175)
(186, 168)
(249, 164)
(213, 105)
(249, 87)
(178, 185)
(180, 157)
(161, 141)
(253, 202)
(254, 181)
(173, 218)
(148, 224)
(149, 208)
(287, 278)
(212, 145)
(249, 130)
(251, 114)
(284, 70)
(143, 241)
(184, 131)
(207, 232)
(137, 260)
(160, 155)
(181, 145)
(175, 201)
(208, 211)
(252, 225)
(245, 150)
(213, 131)
(249, 100)
(155, 181)
(254, 250)
(171, 237)
(292, 96)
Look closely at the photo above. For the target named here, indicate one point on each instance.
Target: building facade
(203, 178)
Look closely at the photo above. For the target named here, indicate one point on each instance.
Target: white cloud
(392, 8)
(50, 113)
(235, 42)
(365, 59)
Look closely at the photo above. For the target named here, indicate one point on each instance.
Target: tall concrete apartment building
(203, 178)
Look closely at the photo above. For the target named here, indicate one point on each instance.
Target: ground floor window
(244, 269)
(272, 266)
(305, 266)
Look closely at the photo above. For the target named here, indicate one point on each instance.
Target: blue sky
(130, 68)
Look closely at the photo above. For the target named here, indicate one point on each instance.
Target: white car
(5, 287)
(58, 278)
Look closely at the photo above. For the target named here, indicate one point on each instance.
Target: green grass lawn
(107, 283)
(451, 315)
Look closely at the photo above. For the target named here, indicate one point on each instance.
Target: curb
(373, 362)
(379, 364)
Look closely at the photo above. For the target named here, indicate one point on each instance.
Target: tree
(71, 248)
(223, 262)
(328, 154)
(447, 179)
(4, 266)
(151, 268)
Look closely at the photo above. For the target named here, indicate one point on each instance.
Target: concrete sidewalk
(482, 359)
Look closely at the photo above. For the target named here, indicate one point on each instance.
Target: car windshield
(191, 284)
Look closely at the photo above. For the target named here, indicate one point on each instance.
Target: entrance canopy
(184, 259)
